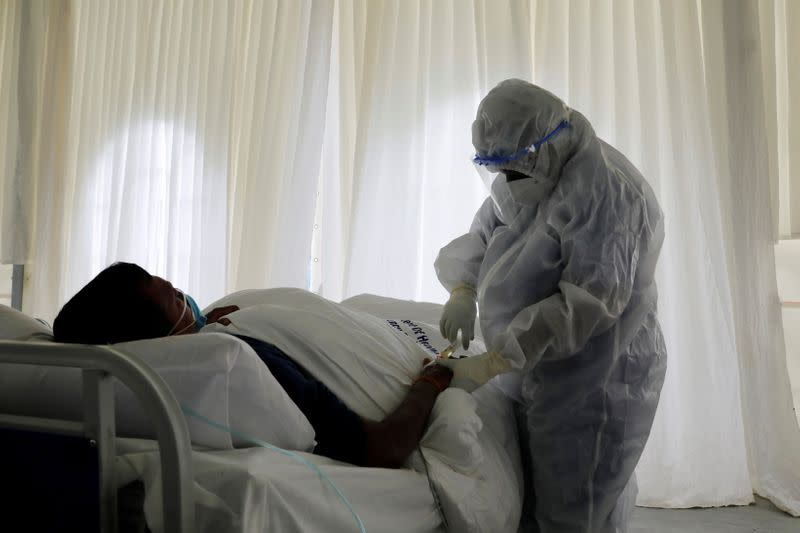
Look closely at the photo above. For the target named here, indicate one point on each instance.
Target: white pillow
(215, 375)
(16, 326)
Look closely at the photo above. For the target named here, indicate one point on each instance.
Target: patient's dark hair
(111, 308)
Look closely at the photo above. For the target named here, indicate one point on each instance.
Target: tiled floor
(762, 517)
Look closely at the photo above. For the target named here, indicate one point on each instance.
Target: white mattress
(261, 490)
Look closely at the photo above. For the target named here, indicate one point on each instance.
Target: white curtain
(327, 145)
(184, 136)
(398, 178)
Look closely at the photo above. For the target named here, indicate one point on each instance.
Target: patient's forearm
(391, 441)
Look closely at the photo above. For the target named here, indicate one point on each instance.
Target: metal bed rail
(99, 365)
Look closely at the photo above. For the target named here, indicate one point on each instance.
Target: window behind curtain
(5, 284)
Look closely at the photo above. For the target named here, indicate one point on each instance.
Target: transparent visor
(487, 175)
(489, 167)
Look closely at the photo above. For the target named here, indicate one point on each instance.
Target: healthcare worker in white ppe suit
(560, 261)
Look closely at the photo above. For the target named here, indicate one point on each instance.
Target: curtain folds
(772, 436)
(327, 145)
(12, 191)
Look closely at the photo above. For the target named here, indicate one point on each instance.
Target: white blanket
(369, 362)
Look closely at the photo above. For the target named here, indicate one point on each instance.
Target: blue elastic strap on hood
(496, 161)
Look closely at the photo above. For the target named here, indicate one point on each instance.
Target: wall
(5, 284)
(787, 264)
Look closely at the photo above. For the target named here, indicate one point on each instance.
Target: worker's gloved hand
(459, 314)
(471, 372)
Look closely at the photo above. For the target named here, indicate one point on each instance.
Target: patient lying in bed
(144, 306)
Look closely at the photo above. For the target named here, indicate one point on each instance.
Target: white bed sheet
(261, 490)
(258, 490)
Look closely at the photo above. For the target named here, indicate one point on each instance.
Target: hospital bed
(221, 481)
(99, 366)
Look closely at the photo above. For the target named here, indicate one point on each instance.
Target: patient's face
(170, 300)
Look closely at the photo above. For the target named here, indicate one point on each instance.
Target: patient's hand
(217, 314)
(436, 375)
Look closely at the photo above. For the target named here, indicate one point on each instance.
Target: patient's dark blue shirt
(339, 431)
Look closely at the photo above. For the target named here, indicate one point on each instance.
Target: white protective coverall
(563, 263)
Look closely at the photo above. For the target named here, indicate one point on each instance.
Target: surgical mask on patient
(197, 316)
(199, 319)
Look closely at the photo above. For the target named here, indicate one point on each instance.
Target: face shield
(510, 196)
(489, 167)
(486, 174)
